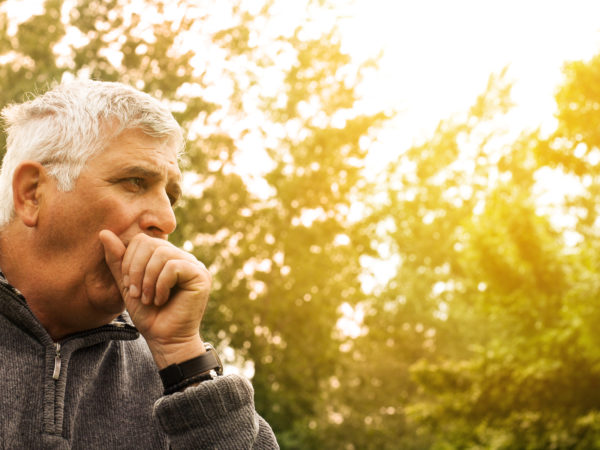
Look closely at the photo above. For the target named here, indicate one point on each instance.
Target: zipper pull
(57, 363)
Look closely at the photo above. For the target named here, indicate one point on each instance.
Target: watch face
(219, 365)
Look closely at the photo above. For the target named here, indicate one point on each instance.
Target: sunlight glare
(438, 55)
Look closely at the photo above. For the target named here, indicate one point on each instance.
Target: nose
(158, 219)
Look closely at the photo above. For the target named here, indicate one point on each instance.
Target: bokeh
(483, 333)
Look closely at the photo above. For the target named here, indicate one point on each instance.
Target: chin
(106, 299)
(113, 302)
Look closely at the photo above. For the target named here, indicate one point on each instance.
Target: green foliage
(485, 334)
(30, 66)
(503, 303)
(285, 260)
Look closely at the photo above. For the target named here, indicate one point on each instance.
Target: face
(128, 188)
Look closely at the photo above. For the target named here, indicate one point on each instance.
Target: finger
(159, 258)
(142, 253)
(153, 269)
(114, 249)
(127, 258)
(183, 274)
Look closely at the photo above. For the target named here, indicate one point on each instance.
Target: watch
(178, 376)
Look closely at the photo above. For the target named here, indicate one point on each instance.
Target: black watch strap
(175, 374)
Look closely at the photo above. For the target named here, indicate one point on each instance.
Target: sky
(439, 54)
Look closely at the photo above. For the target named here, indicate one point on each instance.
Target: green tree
(284, 259)
(500, 304)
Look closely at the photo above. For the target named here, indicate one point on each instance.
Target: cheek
(76, 221)
(119, 218)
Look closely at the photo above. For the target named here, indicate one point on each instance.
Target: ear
(28, 182)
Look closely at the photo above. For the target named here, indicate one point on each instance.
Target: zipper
(57, 362)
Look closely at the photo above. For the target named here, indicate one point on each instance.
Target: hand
(165, 291)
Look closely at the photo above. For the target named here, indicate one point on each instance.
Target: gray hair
(64, 127)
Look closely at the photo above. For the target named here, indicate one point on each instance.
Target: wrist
(191, 372)
(174, 352)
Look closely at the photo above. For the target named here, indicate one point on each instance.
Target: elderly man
(89, 180)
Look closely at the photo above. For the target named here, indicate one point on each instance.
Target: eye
(133, 183)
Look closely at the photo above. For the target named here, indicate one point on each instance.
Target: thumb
(114, 249)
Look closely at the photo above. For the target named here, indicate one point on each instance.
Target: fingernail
(145, 298)
(134, 291)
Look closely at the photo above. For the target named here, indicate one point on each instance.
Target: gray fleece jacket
(100, 389)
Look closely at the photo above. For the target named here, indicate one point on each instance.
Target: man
(88, 184)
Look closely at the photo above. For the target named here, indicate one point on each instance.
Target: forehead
(133, 148)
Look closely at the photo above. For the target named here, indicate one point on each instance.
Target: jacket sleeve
(215, 414)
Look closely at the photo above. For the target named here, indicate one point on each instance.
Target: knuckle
(190, 257)
(162, 252)
(205, 270)
(171, 264)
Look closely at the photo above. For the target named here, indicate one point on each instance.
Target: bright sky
(438, 55)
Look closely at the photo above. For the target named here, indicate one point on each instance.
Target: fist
(165, 291)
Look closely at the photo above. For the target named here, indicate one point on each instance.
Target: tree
(283, 259)
(491, 313)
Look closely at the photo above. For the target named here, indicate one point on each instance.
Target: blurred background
(398, 201)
